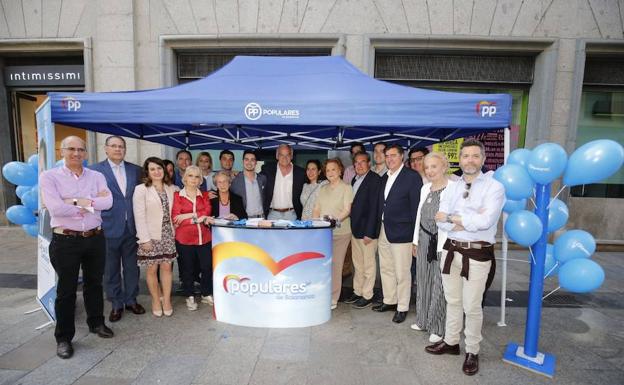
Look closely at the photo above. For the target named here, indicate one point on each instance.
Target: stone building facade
(137, 44)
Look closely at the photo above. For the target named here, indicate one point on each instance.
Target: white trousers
(464, 296)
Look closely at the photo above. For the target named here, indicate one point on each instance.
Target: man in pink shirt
(75, 197)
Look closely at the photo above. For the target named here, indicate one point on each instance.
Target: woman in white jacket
(428, 242)
(152, 203)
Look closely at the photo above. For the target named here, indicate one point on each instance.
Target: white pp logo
(253, 111)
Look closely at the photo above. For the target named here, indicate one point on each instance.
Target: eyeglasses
(417, 159)
(75, 149)
(467, 192)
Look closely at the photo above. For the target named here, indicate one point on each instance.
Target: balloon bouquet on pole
(530, 173)
(24, 175)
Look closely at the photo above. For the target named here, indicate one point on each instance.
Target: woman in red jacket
(191, 209)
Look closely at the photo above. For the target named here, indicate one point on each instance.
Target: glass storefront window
(601, 116)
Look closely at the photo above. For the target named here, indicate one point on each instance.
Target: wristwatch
(448, 219)
(75, 202)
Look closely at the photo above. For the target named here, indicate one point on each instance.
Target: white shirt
(479, 211)
(391, 178)
(282, 191)
(119, 171)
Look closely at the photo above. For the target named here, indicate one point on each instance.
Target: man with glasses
(75, 197)
(416, 159)
(398, 202)
(121, 275)
(469, 212)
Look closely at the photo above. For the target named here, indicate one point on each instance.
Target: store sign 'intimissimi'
(59, 75)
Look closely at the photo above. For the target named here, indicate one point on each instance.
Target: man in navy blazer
(364, 229)
(398, 202)
(119, 231)
(278, 203)
(250, 186)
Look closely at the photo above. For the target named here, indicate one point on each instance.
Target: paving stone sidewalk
(585, 333)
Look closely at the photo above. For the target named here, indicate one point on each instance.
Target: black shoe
(362, 303)
(399, 317)
(136, 308)
(64, 350)
(353, 299)
(384, 307)
(442, 348)
(102, 331)
(471, 364)
(115, 315)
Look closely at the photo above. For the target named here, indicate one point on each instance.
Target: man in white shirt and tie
(119, 231)
(284, 185)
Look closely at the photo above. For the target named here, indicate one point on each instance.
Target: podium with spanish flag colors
(272, 277)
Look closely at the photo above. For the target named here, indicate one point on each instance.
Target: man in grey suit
(250, 186)
(119, 231)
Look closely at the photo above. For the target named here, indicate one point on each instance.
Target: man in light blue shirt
(469, 212)
(250, 186)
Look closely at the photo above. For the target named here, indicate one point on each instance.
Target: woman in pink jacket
(153, 201)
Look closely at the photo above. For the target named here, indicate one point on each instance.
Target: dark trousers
(67, 255)
(188, 257)
(121, 274)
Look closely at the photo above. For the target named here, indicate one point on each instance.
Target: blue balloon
(558, 215)
(581, 276)
(21, 190)
(31, 199)
(524, 227)
(31, 229)
(547, 162)
(511, 205)
(519, 156)
(593, 162)
(33, 161)
(551, 266)
(19, 173)
(20, 215)
(517, 182)
(574, 244)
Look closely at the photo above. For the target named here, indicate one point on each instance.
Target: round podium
(272, 277)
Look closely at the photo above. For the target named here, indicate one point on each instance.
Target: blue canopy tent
(308, 102)
(260, 102)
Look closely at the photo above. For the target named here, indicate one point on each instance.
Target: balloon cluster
(24, 175)
(569, 257)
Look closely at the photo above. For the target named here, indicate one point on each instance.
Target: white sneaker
(207, 299)
(415, 327)
(191, 304)
(333, 306)
(434, 338)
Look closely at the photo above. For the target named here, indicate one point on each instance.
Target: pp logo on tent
(486, 109)
(70, 104)
(253, 111)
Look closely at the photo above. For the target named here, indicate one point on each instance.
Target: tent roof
(259, 102)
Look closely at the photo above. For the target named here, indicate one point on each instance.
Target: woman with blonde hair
(428, 242)
(334, 200)
(152, 203)
(191, 209)
(204, 162)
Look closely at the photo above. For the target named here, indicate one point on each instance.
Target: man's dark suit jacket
(364, 214)
(115, 219)
(236, 206)
(399, 209)
(270, 171)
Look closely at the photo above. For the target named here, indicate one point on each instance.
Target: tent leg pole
(505, 245)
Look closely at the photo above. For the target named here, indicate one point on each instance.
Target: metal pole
(536, 285)
(505, 243)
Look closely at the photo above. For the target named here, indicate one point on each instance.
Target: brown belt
(283, 210)
(83, 234)
(470, 245)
